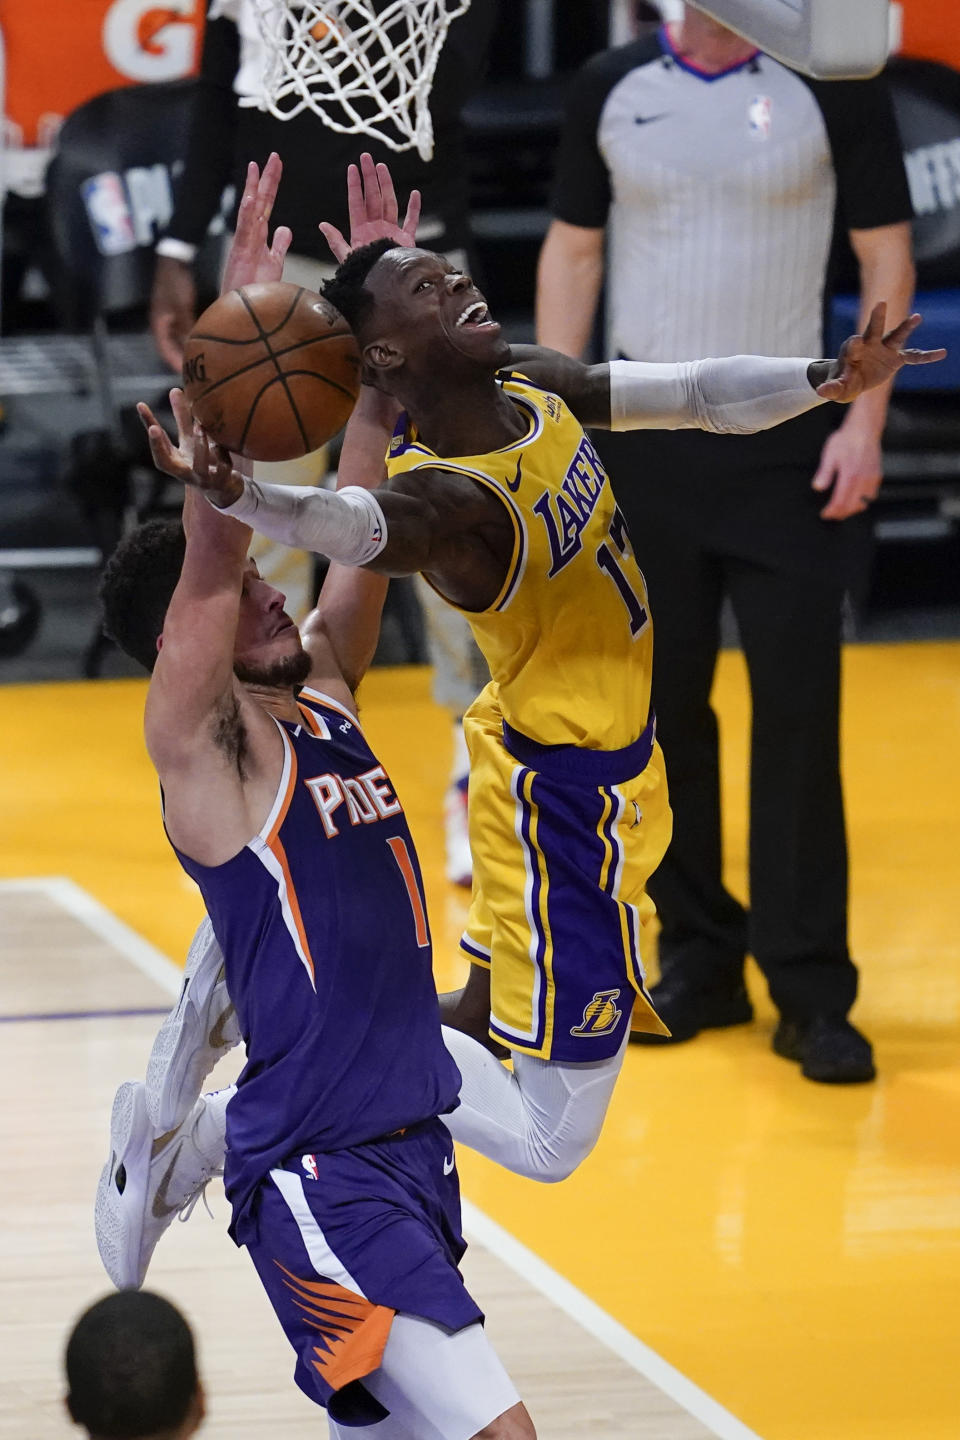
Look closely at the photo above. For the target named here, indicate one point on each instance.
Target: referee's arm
(875, 209)
(569, 277)
(571, 265)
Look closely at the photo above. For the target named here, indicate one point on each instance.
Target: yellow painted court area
(791, 1248)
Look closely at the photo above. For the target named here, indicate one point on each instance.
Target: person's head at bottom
(132, 1371)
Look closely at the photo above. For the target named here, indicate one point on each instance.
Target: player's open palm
(195, 459)
(252, 257)
(373, 210)
(873, 358)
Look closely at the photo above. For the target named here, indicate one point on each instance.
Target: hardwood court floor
(792, 1249)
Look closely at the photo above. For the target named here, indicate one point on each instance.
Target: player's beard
(289, 670)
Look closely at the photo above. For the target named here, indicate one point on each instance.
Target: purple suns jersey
(323, 928)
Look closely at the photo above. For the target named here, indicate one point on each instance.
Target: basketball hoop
(364, 66)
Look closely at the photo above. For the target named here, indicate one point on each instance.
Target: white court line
(478, 1226)
(79, 903)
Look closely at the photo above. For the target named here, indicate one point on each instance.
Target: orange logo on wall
(931, 30)
(60, 53)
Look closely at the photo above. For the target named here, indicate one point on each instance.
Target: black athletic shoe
(828, 1048)
(686, 1008)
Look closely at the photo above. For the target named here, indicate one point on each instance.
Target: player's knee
(513, 1424)
(551, 1161)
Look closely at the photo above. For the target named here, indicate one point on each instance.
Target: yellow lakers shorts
(563, 841)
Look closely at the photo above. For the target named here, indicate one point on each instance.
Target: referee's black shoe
(686, 1007)
(828, 1048)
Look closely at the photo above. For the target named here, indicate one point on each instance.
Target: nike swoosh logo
(448, 1165)
(514, 484)
(646, 119)
(216, 1037)
(160, 1207)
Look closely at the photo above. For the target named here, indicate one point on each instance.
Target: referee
(702, 180)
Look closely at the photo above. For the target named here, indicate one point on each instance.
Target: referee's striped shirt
(719, 192)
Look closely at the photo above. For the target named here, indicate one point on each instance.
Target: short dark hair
(137, 585)
(346, 291)
(131, 1367)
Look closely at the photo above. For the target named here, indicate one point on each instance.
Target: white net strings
(363, 66)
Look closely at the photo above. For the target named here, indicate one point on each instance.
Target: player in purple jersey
(340, 1176)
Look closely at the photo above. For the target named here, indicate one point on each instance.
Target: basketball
(271, 371)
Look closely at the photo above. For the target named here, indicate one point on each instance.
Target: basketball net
(364, 66)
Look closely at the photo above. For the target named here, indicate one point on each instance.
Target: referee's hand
(873, 358)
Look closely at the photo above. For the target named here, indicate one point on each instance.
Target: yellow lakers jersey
(568, 639)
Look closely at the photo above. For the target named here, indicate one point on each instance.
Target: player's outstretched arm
(736, 394)
(194, 669)
(439, 522)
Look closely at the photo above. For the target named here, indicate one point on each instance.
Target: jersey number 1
(405, 865)
(607, 560)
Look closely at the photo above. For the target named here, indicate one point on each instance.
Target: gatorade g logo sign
(130, 209)
(150, 39)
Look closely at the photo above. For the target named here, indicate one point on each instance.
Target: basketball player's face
(267, 650)
(433, 313)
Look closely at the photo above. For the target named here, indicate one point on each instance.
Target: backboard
(828, 39)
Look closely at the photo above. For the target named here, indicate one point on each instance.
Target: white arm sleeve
(731, 396)
(347, 525)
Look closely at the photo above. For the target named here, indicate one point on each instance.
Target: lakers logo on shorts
(601, 1015)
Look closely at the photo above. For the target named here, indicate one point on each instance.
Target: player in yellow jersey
(496, 495)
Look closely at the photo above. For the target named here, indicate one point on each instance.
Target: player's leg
(558, 916)
(468, 1009)
(151, 1177)
(381, 1219)
(541, 1119)
(443, 1386)
(199, 1030)
(790, 627)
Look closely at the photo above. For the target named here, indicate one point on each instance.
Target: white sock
(210, 1126)
(540, 1121)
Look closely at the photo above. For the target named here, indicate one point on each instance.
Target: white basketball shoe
(199, 1030)
(146, 1182)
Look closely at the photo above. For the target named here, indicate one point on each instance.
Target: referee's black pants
(715, 516)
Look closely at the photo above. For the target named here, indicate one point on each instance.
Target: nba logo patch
(109, 214)
(309, 1163)
(760, 116)
(601, 1015)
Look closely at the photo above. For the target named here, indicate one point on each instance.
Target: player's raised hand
(373, 210)
(872, 358)
(195, 459)
(252, 257)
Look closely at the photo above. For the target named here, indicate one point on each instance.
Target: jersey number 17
(607, 560)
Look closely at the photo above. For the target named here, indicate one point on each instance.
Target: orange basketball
(271, 371)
